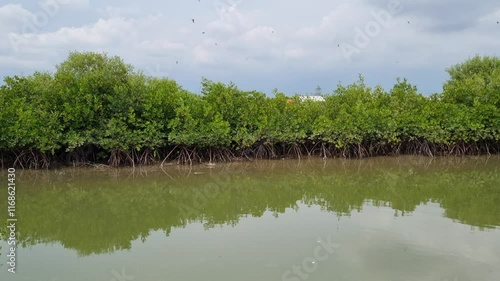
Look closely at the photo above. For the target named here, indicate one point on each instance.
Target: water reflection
(96, 211)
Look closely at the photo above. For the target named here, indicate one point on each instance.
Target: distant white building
(313, 98)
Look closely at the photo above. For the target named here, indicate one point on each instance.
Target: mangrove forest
(96, 109)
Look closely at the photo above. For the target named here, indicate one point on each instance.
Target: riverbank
(209, 157)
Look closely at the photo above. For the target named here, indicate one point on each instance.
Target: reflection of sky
(374, 245)
(425, 244)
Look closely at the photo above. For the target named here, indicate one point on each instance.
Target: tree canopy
(98, 109)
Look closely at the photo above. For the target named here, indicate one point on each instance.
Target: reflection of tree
(97, 213)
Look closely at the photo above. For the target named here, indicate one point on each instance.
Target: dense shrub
(96, 108)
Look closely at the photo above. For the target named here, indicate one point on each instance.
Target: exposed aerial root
(120, 158)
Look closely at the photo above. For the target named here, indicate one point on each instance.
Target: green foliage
(352, 115)
(407, 109)
(93, 100)
(198, 123)
(476, 80)
(90, 90)
(245, 112)
(28, 117)
(286, 121)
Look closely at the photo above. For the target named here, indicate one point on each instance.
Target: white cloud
(160, 45)
(203, 55)
(296, 53)
(103, 33)
(260, 34)
(71, 3)
(289, 38)
(12, 16)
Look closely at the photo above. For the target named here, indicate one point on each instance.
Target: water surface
(401, 218)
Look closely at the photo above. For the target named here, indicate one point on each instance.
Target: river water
(384, 218)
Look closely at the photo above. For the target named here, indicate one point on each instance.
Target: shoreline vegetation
(97, 110)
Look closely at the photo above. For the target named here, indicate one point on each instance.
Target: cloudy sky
(259, 44)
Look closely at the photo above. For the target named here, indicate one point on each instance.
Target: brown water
(404, 218)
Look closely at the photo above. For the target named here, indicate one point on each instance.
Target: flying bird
(192, 20)
(408, 22)
(203, 32)
(176, 62)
